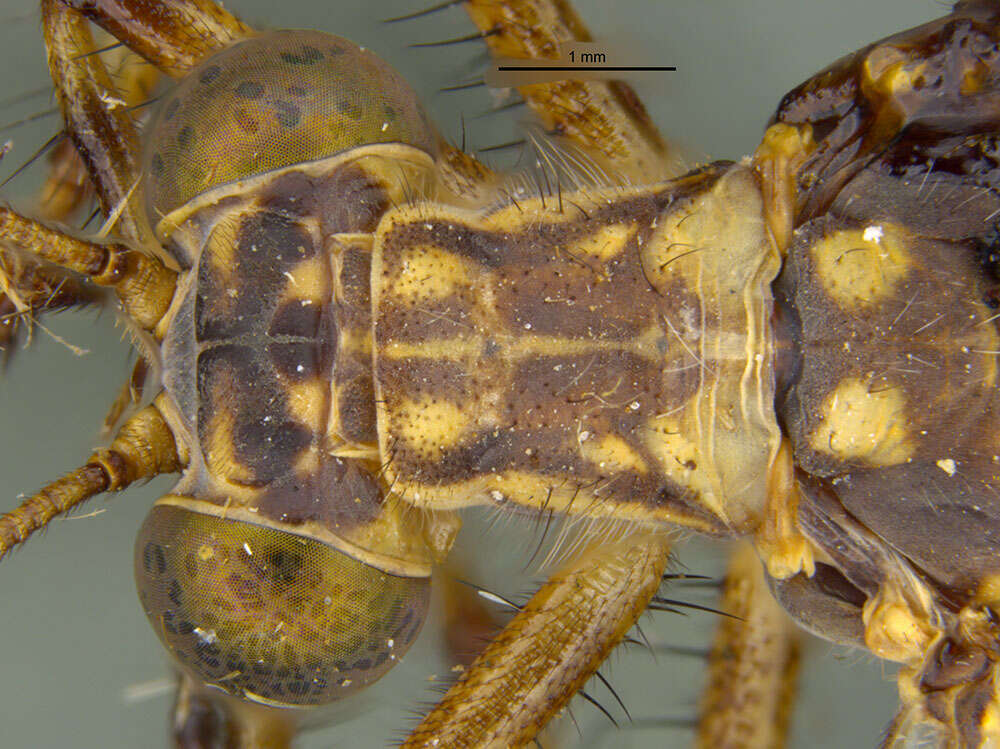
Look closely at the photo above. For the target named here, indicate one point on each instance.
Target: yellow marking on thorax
(607, 243)
(307, 402)
(862, 267)
(429, 273)
(431, 425)
(516, 348)
(309, 281)
(354, 340)
(219, 449)
(611, 453)
(859, 423)
(220, 253)
(668, 438)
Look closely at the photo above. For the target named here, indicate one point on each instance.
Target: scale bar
(571, 68)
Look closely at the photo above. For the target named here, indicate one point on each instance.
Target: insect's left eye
(268, 615)
(273, 101)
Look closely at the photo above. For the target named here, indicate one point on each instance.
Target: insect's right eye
(270, 616)
(273, 101)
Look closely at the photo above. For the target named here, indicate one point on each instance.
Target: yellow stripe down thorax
(605, 353)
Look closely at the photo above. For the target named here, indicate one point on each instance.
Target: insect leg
(144, 448)
(27, 288)
(606, 118)
(143, 284)
(174, 36)
(547, 652)
(68, 186)
(752, 666)
(202, 717)
(98, 121)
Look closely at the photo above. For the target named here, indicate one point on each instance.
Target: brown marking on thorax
(272, 375)
(585, 360)
(897, 387)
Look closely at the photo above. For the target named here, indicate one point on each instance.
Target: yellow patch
(220, 454)
(862, 267)
(680, 458)
(308, 281)
(865, 424)
(307, 402)
(612, 453)
(604, 245)
(220, 249)
(430, 425)
(429, 273)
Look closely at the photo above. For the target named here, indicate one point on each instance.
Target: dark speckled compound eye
(267, 615)
(273, 101)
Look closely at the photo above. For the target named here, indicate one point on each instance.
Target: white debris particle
(113, 102)
(584, 436)
(391, 643)
(527, 326)
(385, 126)
(300, 368)
(328, 600)
(872, 234)
(634, 405)
(207, 636)
(246, 548)
(496, 496)
(947, 465)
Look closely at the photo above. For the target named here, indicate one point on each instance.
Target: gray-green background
(73, 641)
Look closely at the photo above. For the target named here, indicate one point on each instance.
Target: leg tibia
(144, 448)
(752, 667)
(606, 118)
(547, 652)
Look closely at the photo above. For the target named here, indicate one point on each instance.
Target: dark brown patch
(342, 495)
(296, 362)
(350, 200)
(415, 377)
(265, 439)
(237, 300)
(356, 406)
(971, 705)
(296, 318)
(354, 280)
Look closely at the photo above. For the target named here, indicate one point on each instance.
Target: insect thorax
(267, 358)
(606, 353)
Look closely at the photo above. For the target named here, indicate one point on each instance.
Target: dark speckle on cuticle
(308, 56)
(250, 90)
(185, 136)
(287, 113)
(209, 74)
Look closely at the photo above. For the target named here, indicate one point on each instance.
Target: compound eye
(269, 616)
(269, 102)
